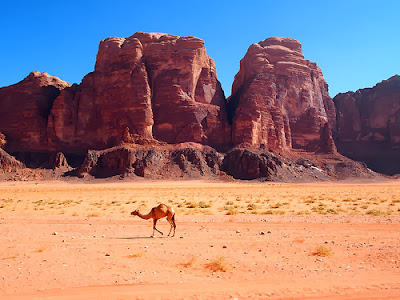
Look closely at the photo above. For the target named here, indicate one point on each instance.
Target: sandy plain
(234, 240)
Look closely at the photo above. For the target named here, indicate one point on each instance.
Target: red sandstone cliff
(371, 114)
(368, 125)
(157, 85)
(152, 90)
(280, 100)
(2, 140)
(24, 108)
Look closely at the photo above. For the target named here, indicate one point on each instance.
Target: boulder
(8, 163)
(247, 164)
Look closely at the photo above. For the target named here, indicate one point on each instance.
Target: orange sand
(62, 240)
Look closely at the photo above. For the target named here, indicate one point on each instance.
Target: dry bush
(374, 212)
(135, 255)
(218, 264)
(10, 256)
(94, 214)
(322, 251)
(230, 210)
(190, 262)
(299, 240)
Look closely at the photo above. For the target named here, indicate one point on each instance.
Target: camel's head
(134, 213)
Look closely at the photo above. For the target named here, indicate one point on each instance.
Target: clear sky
(356, 43)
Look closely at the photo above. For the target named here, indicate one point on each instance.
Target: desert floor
(243, 240)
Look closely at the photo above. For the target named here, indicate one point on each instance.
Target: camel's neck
(147, 216)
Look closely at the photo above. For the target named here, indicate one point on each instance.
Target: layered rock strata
(24, 111)
(149, 86)
(280, 100)
(153, 107)
(368, 125)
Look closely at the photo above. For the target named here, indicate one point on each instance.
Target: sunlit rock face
(24, 109)
(368, 125)
(280, 100)
(152, 85)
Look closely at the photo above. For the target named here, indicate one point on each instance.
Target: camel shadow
(139, 238)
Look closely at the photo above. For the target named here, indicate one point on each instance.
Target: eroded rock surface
(153, 108)
(2, 140)
(8, 163)
(155, 85)
(280, 100)
(368, 125)
(165, 162)
(24, 110)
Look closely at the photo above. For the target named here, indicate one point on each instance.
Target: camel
(159, 212)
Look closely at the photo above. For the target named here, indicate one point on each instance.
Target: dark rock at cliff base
(246, 164)
(8, 163)
(151, 163)
(204, 162)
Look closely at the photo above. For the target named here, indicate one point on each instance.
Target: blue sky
(356, 43)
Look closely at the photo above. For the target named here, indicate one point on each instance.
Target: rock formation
(368, 125)
(153, 108)
(246, 164)
(154, 85)
(279, 100)
(8, 163)
(24, 109)
(2, 140)
(164, 162)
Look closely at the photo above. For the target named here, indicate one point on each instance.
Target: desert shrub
(375, 212)
(94, 214)
(191, 204)
(322, 251)
(218, 265)
(276, 205)
(251, 206)
(203, 204)
(230, 210)
(135, 255)
(190, 262)
(332, 211)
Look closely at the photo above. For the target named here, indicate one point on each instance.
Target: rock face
(368, 125)
(151, 163)
(279, 100)
(2, 140)
(152, 85)
(24, 109)
(8, 163)
(246, 164)
(153, 108)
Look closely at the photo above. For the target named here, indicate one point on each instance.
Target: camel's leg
(173, 226)
(154, 227)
